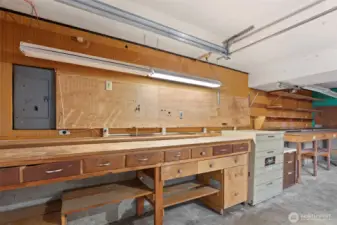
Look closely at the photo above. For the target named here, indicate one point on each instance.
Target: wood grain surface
(22, 156)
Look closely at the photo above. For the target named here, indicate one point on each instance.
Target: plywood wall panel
(83, 102)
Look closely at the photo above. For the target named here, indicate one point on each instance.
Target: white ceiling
(305, 51)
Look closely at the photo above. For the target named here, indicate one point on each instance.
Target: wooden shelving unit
(294, 96)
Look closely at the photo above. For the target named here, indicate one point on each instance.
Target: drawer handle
(270, 183)
(202, 153)
(211, 165)
(271, 136)
(270, 152)
(289, 173)
(236, 194)
(177, 155)
(143, 159)
(54, 171)
(290, 161)
(179, 171)
(224, 150)
(104, 164)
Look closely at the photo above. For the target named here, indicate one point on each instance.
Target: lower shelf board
(83, 199)
(188, 195)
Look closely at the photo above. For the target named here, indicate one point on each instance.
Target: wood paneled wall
(115, 109)
(277, 118)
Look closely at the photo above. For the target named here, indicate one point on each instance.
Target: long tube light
(59, 55)
(182, 78)
(54, 54)
(111, 12)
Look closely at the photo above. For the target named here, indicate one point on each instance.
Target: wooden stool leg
(158, 197)
(140, 206)
(63, 219)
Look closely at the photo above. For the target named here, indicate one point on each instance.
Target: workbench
(308, 136)
(220, 163)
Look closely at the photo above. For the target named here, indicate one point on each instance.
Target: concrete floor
(314, 197)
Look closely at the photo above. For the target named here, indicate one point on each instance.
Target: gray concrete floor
(313, 197)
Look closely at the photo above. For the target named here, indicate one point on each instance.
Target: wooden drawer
(290, 156)
(289, 162)
(289, 179)
(202, 152)
(9, 176)
(236, 185)
(223, 149)
(221, 163)
(142, 159)
(176, 155)
(51, 171)
(179, 170)
(269, 137)
(243, 147)
(103, 163)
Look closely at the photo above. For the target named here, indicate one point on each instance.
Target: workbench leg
(63, 219)
(140, 206)
(315, 157)
(329, 154)
(299, 162)
(158, 197)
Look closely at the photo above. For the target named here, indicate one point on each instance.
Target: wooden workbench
(221, 159)
(307, 136)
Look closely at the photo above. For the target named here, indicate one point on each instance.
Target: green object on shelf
(327, 101)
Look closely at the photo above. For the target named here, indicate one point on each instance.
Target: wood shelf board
(189, 195)
(33, 213)
(288, 118)
(293, 109)
(182, 187)
(294, 96)
(83, 199)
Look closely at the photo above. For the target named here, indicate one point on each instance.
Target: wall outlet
(181, 115)
(108, 85)
(64, 132)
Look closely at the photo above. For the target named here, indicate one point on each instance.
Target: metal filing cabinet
(265, 164)
(266, 167)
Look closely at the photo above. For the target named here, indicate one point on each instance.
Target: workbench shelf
(186, 192)
(294, 96)
(87, 198)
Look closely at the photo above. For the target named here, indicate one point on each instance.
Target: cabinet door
(236, 185)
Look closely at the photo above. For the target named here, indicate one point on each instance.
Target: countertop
(35, 155)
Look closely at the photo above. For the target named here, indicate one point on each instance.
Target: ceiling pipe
(279, 20)
(287, 29)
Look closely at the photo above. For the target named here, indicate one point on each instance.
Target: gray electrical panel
(33, 98)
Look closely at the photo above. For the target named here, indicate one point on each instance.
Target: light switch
(108, 85)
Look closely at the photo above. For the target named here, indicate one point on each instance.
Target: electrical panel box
(33, 98)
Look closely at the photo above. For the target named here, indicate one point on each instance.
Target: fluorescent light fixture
(102, 9)
(322, 90)
(58, 55)
(54, 54)
(182, 78)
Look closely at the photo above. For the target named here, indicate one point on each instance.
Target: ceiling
(308, 50)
